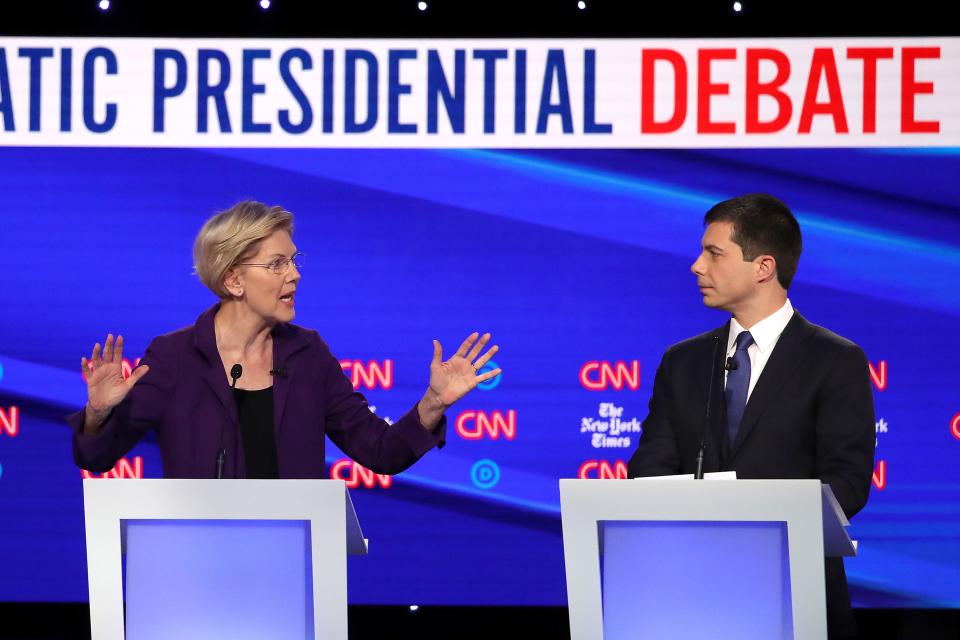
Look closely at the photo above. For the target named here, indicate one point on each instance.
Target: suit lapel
(205, 341)
(286, 342)
(787, 356)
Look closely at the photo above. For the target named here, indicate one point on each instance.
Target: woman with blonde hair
(244, 393)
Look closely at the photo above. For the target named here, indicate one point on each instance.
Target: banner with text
(797, 92)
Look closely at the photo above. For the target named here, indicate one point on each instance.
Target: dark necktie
(738, 382)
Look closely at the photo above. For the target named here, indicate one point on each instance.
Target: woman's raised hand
(453, 379)
(106, 386)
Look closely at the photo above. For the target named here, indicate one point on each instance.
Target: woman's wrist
(93, 418)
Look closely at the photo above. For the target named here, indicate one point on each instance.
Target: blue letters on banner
(250, 89)
(306, 63)
(6, 99)
(489, 57)
(206, 91)
(437, 87)
(556, 68)
(89, 62)
(66, 88)
(590, 124)
(395, 89)
(350, 124)
(36, 56)
(520, 98)
(328, 90)
(160, 89)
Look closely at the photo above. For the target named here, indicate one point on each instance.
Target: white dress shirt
(765, 334)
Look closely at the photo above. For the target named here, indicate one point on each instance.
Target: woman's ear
(233, 283)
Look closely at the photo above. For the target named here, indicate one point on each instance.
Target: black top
(255, 409)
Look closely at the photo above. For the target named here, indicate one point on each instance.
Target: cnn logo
(599, 375)
(123, 469)
(878, 375)
(10, 421)
(370, 375)
(476, 425)
(603, 470)
(356, 475)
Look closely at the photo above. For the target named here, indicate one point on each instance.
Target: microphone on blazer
(279, 372)
(235, 372)
(731, 365)
(698, 475)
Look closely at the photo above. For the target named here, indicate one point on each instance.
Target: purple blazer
(186, 399)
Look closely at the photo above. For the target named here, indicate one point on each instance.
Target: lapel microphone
(698, 475)
(280, 372)
(235, 372)
(731, 365)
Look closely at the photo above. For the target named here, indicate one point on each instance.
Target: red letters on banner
(661, 67)
(647, 122)
(706, 89)
(870, 55)
(910, 89)
(755, 89)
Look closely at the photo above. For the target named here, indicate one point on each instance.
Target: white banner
(806, 92)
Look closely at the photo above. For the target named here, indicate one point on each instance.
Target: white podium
(672, 559)
(215, 559)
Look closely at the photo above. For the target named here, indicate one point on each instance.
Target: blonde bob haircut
(233, 236)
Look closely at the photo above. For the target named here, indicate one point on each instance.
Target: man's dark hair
(762, 225)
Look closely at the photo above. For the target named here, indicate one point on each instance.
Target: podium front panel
(331, 532)
(238, 579)
(770, 514)
(734, 577)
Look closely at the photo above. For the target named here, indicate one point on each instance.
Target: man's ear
(766, 268)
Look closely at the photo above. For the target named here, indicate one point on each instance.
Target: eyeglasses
(279, 266)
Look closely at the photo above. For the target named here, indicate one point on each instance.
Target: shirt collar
(766, 332)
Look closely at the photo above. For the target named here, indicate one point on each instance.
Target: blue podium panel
(677, 580)
(207, 579)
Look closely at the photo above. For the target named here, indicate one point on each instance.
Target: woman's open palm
(106, 386)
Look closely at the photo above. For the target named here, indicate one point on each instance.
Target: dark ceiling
(472, 18)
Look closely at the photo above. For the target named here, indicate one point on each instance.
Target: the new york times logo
(608, 428)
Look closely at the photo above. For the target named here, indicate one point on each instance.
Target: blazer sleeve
(365, 437)
(140, 411)
(846, 430)
(657, 453)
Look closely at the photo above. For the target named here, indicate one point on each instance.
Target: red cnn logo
(370, 375)
(123, 469)
(880, 475)
(878, 375)
(603, 470)
(474, 425)
(356, 475)
(10, 421)
(597, 375)
(955, 426)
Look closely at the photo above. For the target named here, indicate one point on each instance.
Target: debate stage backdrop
(575, 259)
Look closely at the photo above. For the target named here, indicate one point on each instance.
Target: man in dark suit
(790, 399)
